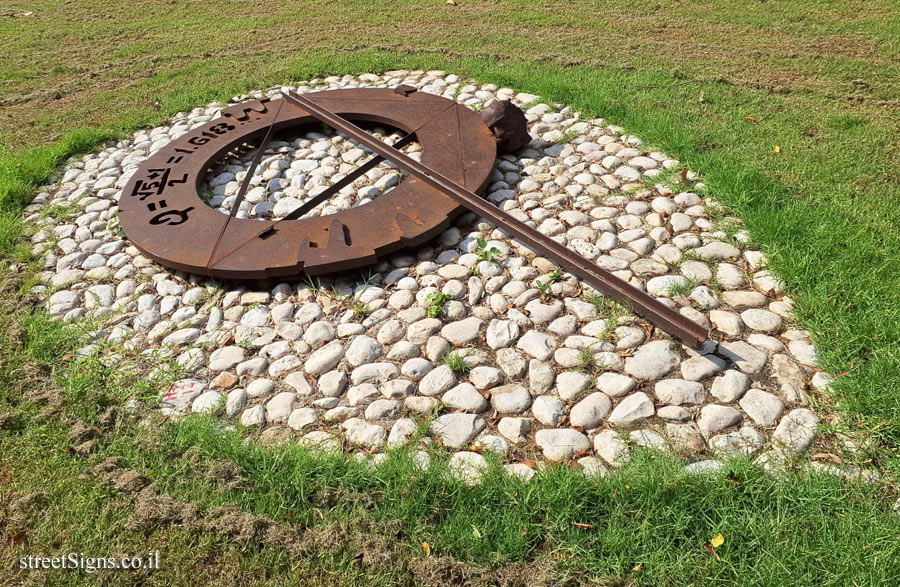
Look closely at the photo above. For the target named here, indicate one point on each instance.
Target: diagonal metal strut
(245, 185)
(299, 211)
(650, 308)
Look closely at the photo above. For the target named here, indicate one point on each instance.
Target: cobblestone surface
(516, 357)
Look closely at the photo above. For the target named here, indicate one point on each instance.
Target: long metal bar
(656, 312)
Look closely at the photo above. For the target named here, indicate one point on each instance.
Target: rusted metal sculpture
(163, 215)
(161, 212)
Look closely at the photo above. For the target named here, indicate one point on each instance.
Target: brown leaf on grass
(451, 2)
(637, 567)
(582, 526)
(777, 150)
(426, 548)
(827, 456)
(700, 99)
(712, 551)
(17, 539)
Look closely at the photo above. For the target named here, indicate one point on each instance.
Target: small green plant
(359, 308)
(608, 309)
(456, 361)
(716, 213)
(206, 196)
(546, 287)
(434, 303)
(588, 363)
(484, 253)
(314, 286)
(113, 224)
(213, 285)
(680, 288)
(60, 211)
(546, 290)
(567, 136)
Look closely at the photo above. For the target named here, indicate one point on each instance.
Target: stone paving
(472, 332)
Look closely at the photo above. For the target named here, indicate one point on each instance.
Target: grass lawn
(718, 84)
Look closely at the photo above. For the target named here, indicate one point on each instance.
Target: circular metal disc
(161, 212)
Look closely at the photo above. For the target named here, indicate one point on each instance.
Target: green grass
(435, 302)
(645, 525)
(587, 362)
(650, 516)
(818, 79)
(681, 288)
(455, 360)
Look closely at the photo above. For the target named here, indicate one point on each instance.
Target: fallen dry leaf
(580, 525)
(712, 551)
(777, 150)
(827, 456)
(426, 548)
(637, 567)
(717, 541)
(18, 538)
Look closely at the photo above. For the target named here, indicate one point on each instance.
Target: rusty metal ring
(161, 212)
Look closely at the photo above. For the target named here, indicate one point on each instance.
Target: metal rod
(345, 181)
(653, 310)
